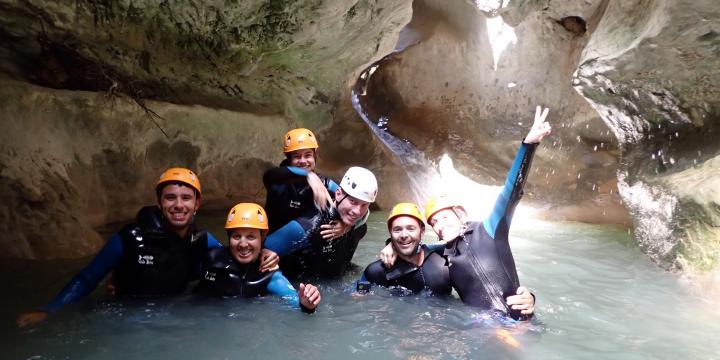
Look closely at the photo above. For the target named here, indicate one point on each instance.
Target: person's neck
(460, 234)
(181, 232)
(416, 258)
(255, 263)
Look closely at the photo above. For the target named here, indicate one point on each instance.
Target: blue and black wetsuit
(482, 268)
(289, 196)
(432, 274)
(304, 253)
(225, 277)
(148, 260)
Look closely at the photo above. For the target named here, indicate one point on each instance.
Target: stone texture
(271, 56)
(458, 91)
(650, 70)
(226, 79)
(642, 131)
(74, 161)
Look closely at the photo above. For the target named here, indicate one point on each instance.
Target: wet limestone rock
(467, 84)
(73, 161)
(98, 97)
(650, 71)
(642, 133)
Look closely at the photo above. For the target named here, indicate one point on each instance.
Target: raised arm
(501, 215)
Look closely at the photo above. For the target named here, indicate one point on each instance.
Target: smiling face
(245, 244)
(178, 204)
(446, 224)
(304, 159)
(350, 209)
(405, 234)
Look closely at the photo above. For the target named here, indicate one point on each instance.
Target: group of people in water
(309, 229)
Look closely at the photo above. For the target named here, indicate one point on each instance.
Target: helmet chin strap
(337, 203)
(463, 227)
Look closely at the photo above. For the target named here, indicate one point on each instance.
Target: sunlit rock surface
(226, 79)
(467, 84)
(640, 126)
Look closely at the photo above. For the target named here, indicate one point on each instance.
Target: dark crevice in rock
(574, 24)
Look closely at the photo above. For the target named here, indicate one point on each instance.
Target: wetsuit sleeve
(212, 242)
(84, 282)
(512, 191)
(436, 248)
(287, 239)
(374, 273)
(280, 286)
(284, 175)
(331, 186)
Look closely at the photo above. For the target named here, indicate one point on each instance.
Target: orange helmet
(298, 139)
(440, 202)
(407, 209)
(247, 215)
(183, 175)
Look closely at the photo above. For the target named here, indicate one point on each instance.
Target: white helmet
(360, 183)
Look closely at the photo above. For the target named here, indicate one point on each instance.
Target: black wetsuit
(223, 276)
(157, 261)
(288, 194)
(305, 254)
(432, 274)
(482, 268)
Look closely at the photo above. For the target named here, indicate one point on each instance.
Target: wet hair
(160, 187)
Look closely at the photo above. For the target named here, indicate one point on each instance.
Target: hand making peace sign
(540, 128)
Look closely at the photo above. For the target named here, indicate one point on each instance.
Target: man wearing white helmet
(328, 240)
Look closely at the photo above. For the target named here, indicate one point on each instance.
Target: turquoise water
(598, 298)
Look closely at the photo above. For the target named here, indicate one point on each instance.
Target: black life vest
(432, 274)
(323, 258)
(223, 276)
(287, 202)
(156, 261)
